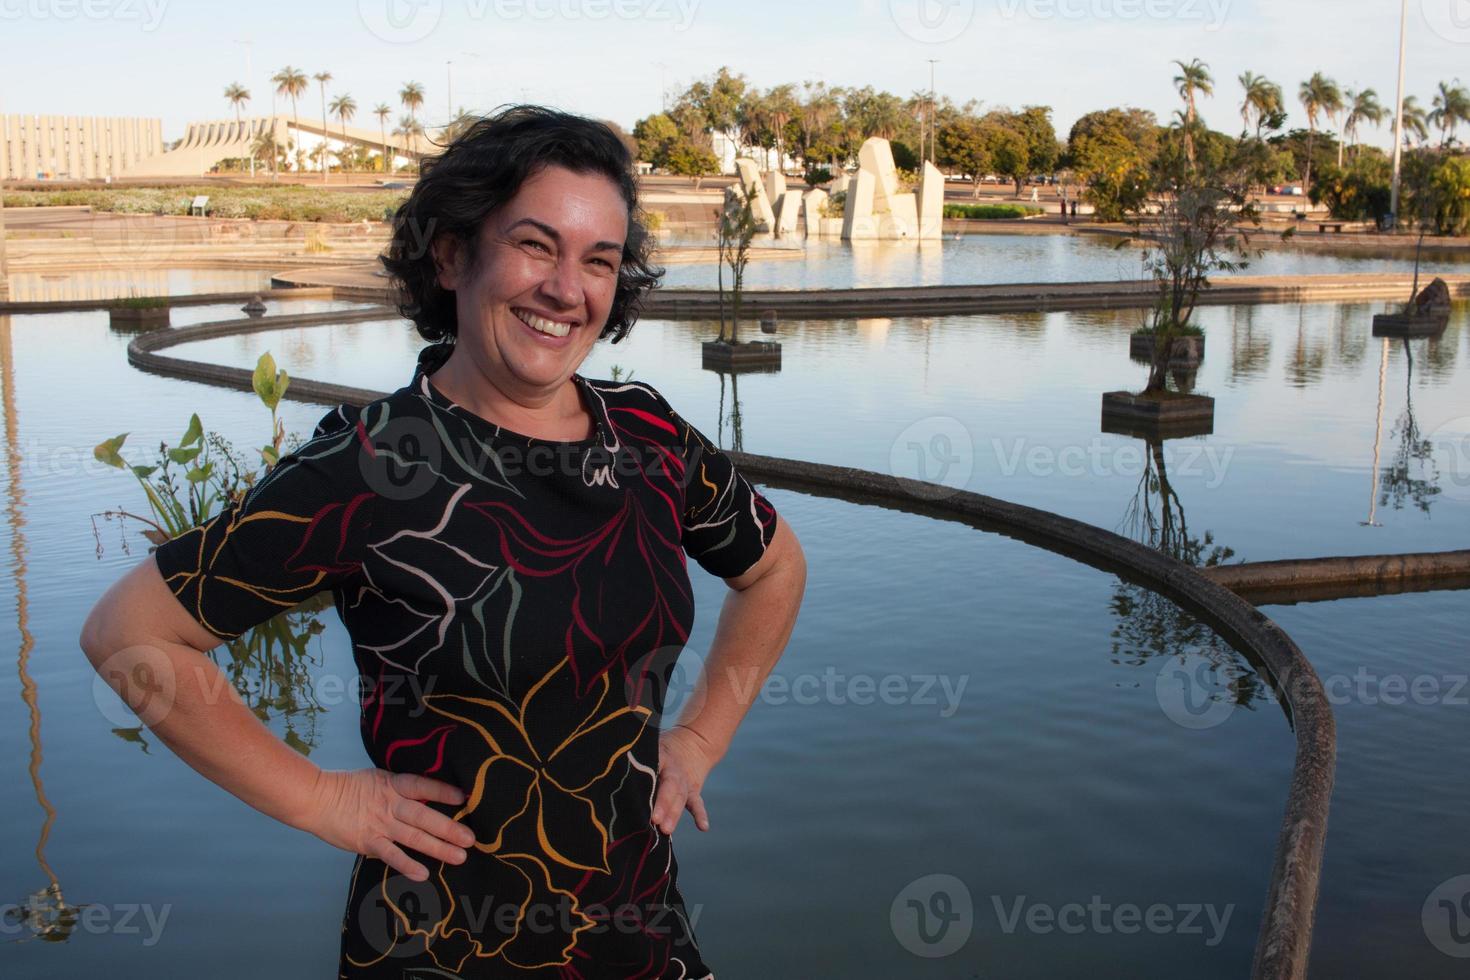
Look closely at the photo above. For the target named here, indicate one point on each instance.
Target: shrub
(990, 212)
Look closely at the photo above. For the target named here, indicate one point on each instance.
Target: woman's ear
(448, 254)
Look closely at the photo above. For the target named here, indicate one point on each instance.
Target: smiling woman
(506, 542)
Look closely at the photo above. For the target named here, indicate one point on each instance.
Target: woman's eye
(606, 264)
(535, 243)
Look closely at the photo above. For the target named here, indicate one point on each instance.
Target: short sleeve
(298, 531)
(727, 523)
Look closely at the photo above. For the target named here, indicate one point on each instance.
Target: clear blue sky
(173, 58)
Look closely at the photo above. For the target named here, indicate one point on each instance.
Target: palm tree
(1193, 77)
(322, 78)
(410, 129)
(1362, 107)
(1263, 100)
(265, 145)
(344, 107)
(412, 96)
(237, 95)
(382, 111)
(291, 82)
(1416, 120)
(1451, 107)
(1319, 95)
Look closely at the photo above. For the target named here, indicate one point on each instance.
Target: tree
(1193, 77)
(291, 82)
(1033, 123)
(736, 229)
(1263, 102)
(1320, 96)
(382, 111)
(1194, 235)
(1416, 121)
(237, 95)
(1362, 107)
(1451, 107)
(1112, 151)
(410, 129)
(322, 78)
(344, 107)
(412, 96)
(963, 146)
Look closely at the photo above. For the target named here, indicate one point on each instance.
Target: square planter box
(752, 355)
(1165, 418)
(1185, 350)
(138, 317)
(1409, 324)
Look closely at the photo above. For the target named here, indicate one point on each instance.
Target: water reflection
(1411, 476)
(1250, 345)
(1150, 625)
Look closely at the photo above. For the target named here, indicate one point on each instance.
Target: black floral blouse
(516, 606)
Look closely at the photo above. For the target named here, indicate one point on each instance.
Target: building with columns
(75, 147)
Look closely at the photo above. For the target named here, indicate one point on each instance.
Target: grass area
(990, 212)
(261, 203)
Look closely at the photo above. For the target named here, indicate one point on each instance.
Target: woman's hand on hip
(373, 812)
(684, 761)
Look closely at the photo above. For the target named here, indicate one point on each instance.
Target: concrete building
(75, 147)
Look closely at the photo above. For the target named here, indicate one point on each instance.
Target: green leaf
(107, 452)
(270, 454)
(199, 473)
(194, 433)
(144, 472)
(268, 383)
(182, 455)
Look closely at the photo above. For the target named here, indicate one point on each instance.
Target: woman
(506, 544)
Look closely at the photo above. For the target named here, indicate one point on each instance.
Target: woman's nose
(564, 285)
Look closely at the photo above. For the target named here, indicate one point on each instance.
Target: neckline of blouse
(590, 400)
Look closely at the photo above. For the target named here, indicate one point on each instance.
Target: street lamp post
(1398, 122)
(933, 129)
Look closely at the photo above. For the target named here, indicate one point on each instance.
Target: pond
(986, 258)
(1026, 753)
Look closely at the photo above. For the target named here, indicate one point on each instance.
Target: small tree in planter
(1196, 232)
(736, 228)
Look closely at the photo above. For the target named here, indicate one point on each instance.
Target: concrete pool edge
(362, 283)
(1284, 943)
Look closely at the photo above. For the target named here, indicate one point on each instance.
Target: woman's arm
(150, 650)
(755, 623)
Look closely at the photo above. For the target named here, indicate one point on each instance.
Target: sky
(614, 58)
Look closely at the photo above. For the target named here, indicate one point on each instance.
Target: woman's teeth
(540, 323)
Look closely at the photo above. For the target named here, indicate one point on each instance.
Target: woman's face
(543, 283)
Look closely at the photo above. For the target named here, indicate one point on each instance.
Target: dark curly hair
(484, 168)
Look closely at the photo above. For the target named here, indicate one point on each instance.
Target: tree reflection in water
(1411, 476)
(1151, 626)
